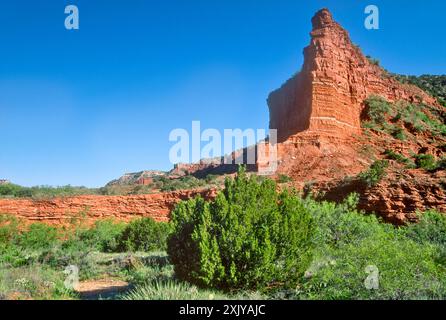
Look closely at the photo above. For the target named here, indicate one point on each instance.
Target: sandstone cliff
(61, 211)
(326, 98)
(318, 114)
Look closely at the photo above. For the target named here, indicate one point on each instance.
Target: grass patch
(375, 173)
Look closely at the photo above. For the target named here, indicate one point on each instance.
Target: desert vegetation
(433, 84)
(251, 242)
(159, 184)
(415, 124)
(402, 118)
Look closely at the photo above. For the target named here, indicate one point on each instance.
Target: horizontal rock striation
(325, 99)
(60, 211)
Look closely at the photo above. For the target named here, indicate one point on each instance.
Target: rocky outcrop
(398, 198)
(325, 99)
(318, 114)
(139, 178)
(61, 211)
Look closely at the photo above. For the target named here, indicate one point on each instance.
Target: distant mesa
(138, 178)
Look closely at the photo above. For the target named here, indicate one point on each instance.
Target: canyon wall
(60, 211)
(317, 113)
(325, 99)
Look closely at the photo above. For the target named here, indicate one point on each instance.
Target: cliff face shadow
(290, 106)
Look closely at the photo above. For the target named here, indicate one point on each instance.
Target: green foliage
(398, 133)
(249, 237)
(102, 236)
(187, 182)
(144, 235)
(415, 117)
(433, 84)
(38, 237)
(9, 228)
(430, 229)
(403, 115)
(36, 282)
(13, 190)
(377, 108)
(396, 156)
(426, 161)
(211, 178)
(162, 183)
(348, 243)
(344, 243)
(170, 290)
(340, 224)
(406, 270)
(10, 189)
(375, 173)
(373, 61)
(283, 178)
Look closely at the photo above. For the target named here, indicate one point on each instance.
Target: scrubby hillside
(405, 144)
(343, 112)
(434, 84)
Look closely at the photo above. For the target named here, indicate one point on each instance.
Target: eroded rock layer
(326, 97)
(61, 211)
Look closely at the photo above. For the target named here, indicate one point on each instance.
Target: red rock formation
(326, 98)
(144, 181)
(317, 113)
(397, 198)
(61, 210)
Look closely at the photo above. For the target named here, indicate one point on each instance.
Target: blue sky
(83, 107)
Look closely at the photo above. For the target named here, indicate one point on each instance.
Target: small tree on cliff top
(250, 236)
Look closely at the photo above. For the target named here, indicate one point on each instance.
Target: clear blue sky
(84, 107)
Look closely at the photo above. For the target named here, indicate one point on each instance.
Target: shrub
(375, 173)
(103, 235)
(426, 162)
(441, 164)
(144, 234)
(377, 108)
(348, 242)
(396, 156)
(9, 229)
(431, 228)
(398, 133)
(13, 190)
(211, 178)
(406, 270)
(36, 282)
(249, 237)
(283, 178)
(340, 224)
(10, 189)
(38, 237)
(373, 61)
